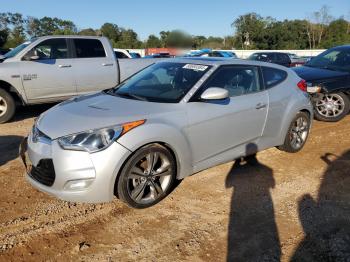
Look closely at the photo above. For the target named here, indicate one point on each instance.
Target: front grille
(44, 172)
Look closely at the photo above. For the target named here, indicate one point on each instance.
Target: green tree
(249, 30)
(3, 37)
(88, 31)
(128, 39)
(111, 31)
(336, 33)
(198, 41)
(153, 41)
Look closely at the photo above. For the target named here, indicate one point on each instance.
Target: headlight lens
(96, 140)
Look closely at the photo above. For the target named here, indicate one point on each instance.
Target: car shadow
(9, 147)
(25, 112)
(326, 219)
(252, 230)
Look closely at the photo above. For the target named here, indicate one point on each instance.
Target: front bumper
(99, 170)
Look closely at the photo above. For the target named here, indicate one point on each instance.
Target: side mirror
(34, 57)
(31, 56)
(215, 93)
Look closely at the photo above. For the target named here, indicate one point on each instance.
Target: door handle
(260, 106)
(64, 66)
(106, 64)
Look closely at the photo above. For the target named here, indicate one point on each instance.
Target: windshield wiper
(130, 95)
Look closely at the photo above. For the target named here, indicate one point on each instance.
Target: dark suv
(272, 57)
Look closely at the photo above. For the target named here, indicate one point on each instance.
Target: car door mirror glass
(215, 93)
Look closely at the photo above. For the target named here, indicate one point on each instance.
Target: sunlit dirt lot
(285, 207)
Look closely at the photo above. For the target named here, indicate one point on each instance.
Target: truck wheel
(7, 106)
(147, 177)
(297, 134)
(331, 107)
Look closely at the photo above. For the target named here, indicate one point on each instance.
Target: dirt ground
(285, 207)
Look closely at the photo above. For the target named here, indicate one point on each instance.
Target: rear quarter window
(89, 48)
(273, 76)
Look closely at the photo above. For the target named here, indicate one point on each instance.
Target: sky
(147, 17)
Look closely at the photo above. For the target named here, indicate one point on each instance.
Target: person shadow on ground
(252, 230)
(9, 147)
(326, 219)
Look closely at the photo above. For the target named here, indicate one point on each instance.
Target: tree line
(251, 31)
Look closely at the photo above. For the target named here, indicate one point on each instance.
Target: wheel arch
(12, 91)
(161, 143)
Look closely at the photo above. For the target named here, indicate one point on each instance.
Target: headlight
(96, 140)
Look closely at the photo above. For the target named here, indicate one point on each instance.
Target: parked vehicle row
(212, 53)
(123, 53)
(167, 122)
(149, 125)
(54, 68)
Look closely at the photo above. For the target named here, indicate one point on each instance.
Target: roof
(217, 61)
(69, 36)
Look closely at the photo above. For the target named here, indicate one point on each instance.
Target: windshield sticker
(195, 67)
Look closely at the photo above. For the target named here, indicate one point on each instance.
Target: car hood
(97, 111)
(311, 74)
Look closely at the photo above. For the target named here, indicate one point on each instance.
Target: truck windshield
(333, 59)
(165, 82)
(17, 49)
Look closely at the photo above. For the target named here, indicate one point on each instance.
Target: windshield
(17, 49)
(162, 82)
(334, 59)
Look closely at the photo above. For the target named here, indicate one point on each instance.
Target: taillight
(302, 85)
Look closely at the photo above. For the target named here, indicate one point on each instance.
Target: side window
(55, 48)
(236, 79)
(89, 48)
(273, 76)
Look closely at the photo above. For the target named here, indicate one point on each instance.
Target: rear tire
(147, 177)
(331, 107)
(7, 106)
(297, 134)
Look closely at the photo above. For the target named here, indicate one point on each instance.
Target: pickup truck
(54, 68)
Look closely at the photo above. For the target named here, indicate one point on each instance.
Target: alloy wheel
(3, 106)
(330, 105)
(149, 178)
(299, 132)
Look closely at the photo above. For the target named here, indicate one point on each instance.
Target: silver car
(167, 122)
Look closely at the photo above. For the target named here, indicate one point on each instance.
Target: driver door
(46, 71)
(219, 131)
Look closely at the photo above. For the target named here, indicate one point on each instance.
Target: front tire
(147, 177)
(331, 107)
(7, 106)
(297, 134)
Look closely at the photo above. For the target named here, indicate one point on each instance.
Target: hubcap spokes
(299, 132)
(149, 178)
(3, 106)
(330, 105)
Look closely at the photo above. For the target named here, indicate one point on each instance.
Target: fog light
(75, 185)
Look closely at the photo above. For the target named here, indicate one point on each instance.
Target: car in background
(159, 55)
(328, 80)
(4, 51)
(272, 57)
(296, 60)
(124, 53)
(212, 53)
(166, 122)
(135, 55)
